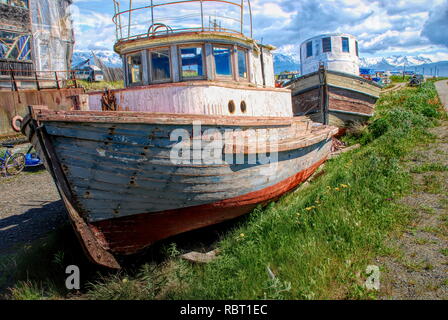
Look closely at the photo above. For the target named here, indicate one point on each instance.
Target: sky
(384, 27)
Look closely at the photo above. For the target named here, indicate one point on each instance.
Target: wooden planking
(305, 83)
(354, 84)
(14, 103)
(351, 102)
(129, 235)
(300, 135)
(163, 118)
(123, 180)
(204, 98)
(179, 193)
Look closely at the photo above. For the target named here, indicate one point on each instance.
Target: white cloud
(382, 27)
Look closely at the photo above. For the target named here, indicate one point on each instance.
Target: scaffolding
(53, 36)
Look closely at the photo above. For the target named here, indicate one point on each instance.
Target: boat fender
(16, 123)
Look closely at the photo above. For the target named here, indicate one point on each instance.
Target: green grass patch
(102, 85)
(400, 79)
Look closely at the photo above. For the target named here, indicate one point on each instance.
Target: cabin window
(242, 63)
(160, 65)
(192, 62)
(223, 60)
(309, 49)
(357, 48)
(345, 44)
(135, 69)
(326, 45)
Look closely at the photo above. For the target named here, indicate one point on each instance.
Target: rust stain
(132, 234)
(109, 102)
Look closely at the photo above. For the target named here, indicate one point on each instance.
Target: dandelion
(344, 186)
(337, 189)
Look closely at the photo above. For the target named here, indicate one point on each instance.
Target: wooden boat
(131, 178)
(334, 98)
(331, 90)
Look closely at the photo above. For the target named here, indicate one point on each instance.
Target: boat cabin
(199, 62)
(338, 52)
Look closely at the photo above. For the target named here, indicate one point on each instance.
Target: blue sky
(383, 27)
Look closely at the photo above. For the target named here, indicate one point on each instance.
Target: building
(35, 35)
(338, 52)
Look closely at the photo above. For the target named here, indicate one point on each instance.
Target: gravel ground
(418, 267)
(30, 207)
(442, 88)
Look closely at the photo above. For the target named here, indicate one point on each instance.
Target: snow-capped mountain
(108, 57)
(396, 61)
(284, 62)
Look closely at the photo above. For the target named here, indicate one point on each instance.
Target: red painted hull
(130, 235)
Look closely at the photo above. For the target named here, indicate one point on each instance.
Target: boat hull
(334, 98)
(122, 189)
(146, 229)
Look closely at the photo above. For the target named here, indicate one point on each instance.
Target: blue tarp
(367, 71)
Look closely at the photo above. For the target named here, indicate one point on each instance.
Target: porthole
(232, 107)
(243, 107)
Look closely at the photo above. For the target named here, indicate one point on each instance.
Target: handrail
(31, 76)
(149, 19)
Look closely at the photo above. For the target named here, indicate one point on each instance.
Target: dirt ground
(417, 267)
(30, 207)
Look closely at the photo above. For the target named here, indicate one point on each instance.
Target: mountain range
(291, 62)
(419, 64)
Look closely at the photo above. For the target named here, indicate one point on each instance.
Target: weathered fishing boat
(204, 136)
(331, 90)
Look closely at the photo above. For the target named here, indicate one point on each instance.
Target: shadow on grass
(37, 271)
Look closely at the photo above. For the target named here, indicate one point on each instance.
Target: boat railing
(175, 17)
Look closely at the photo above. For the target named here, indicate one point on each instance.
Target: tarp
(53, 36)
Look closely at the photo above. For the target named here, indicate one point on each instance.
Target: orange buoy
(14, 124)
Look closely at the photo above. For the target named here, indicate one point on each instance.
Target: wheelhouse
(214, 47)
(211, 60)
(193, 57)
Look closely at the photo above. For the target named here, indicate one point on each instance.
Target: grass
(400, 79)
(314, 244)
(98, 86)
(37, 270)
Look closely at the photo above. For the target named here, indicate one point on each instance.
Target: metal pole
(74, 79)
(37, 81)
(152, 13)
(13, 80)
(116, 24)
(57, 80)
(202, 15)
(119, 21)
(242, 17)
(250, 14)
(130, 17)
